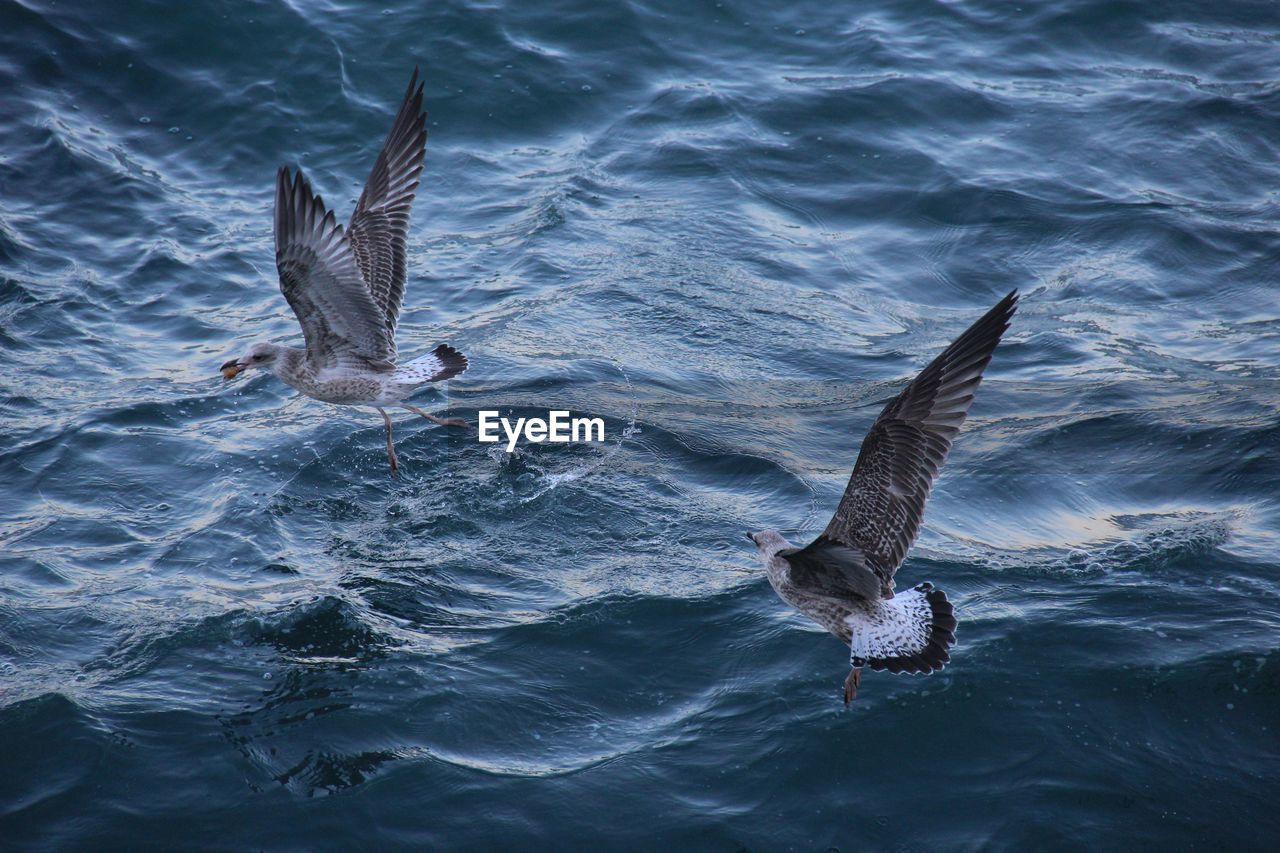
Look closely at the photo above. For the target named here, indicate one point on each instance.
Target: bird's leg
(851, 682)
(442, 421)
(391, 448)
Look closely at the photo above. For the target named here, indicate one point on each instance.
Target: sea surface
(732, 230)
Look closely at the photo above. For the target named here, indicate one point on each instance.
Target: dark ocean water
(733, 230)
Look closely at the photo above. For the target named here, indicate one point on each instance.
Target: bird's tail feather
(443, 362)
(923, 628)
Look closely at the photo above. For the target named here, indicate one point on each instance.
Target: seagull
(346, 286)
(843, 580)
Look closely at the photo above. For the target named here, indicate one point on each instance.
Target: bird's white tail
(910, 632)
(443, 362)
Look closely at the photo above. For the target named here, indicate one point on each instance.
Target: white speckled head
(260, 354)
(769, 542)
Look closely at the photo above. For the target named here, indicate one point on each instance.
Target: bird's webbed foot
(851, 682)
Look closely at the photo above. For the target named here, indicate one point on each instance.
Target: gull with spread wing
(843, 580)
(346, 285)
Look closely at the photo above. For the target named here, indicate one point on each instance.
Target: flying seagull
(843, 580)
(346, 286)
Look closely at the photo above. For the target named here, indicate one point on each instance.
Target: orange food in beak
(230, 370)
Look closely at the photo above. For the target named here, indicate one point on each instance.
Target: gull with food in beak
(346, 285)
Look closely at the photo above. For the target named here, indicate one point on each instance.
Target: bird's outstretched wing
(320, 280)
(883, 504)
(380, 222)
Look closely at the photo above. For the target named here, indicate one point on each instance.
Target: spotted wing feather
(883, 504)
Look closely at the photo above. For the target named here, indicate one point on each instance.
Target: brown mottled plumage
(843, 580)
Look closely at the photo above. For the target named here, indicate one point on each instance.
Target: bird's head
(261, 354)
(769, 542)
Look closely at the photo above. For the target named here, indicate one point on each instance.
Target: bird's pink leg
(454, 422)
(851, 682)
(391, 448)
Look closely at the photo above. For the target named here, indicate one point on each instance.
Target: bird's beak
(752, 538)
(231, 369)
